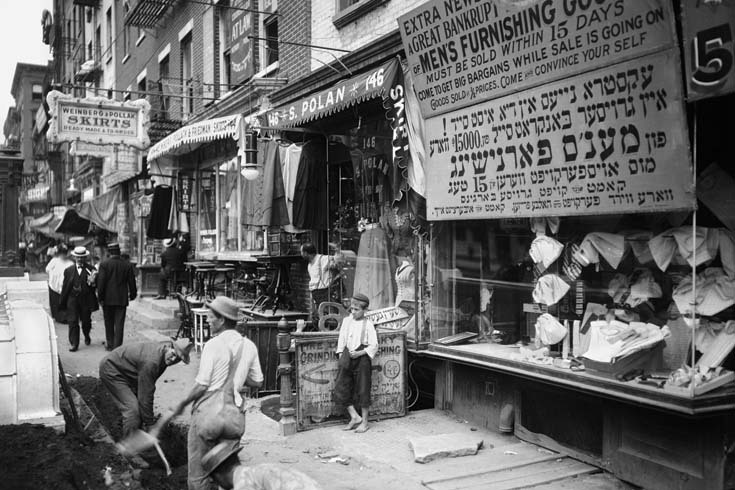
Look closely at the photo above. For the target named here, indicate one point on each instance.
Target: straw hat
(219, 454)
(227, 307)
(182, 348)
(114, 248)
(80, 252)
(168, 242)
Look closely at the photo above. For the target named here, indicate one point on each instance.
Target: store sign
(142, 206)
(316, 371)
(391, 318)
(98, 120)
(37, 194)
(186, 187)
(609, 141)
(242, 60)
(709, 53)
(462, 53)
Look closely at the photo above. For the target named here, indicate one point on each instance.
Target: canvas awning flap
(346, 93)
(73, 224)
(46, 225)
(102, 210)
(186, 139)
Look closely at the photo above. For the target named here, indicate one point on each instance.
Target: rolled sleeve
(206, 367)
(372, 338)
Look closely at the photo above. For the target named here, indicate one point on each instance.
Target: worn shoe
(73, 349)
(87, 340)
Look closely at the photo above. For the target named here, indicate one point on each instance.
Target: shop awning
(186, 139)
(102, 210)
(369, 85)
(46, 225)
(73, 224)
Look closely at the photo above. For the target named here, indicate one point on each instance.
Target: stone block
(429, 448)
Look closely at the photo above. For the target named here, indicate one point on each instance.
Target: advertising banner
(709, 48)
(316, 371)
(609, 141)
(462, 53)
(98, 120)
(241, 47)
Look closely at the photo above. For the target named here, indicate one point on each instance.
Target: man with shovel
(130, 372)
(229, 361)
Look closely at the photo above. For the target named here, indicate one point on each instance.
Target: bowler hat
(219, 454)
(182, 348)
(226, 307)
(362, 298)
(80, 252)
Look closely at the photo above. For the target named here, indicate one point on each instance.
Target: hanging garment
(373, 276)
(703, 245)
(405, 277)
(538, 225)
(263, 201)
(550, 289)
(290, 159)
(611, 246)
(714, 292)
(160, 212)
(545, 250)
(173, 215)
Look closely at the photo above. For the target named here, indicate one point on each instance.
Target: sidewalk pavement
(337, 459)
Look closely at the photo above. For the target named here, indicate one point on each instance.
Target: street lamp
(248, 156)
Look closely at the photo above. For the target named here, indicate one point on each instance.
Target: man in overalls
(228, 362)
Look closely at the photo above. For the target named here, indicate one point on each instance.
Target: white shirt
(55, 269)
(353, 332)
(319, 274)
(215, 362)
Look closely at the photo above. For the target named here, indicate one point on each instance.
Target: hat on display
(114, 248)
(362, 298)
(550, 289)
(182, 348)
(219, 454)
(80, 252)
(226, 307)
(545, 250)
(168, 242)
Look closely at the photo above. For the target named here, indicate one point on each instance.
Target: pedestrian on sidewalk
(356, 347)
(55, 270)
(224, 467)
(130, 372)
(78, 298)
(229, 361)
(115, 288)
(172, 260)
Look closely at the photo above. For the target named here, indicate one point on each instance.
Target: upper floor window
(126, 30)
(186, 76)
(108, 25)
(224, 43)
(347, 11)
(270, 31)
(37, 92)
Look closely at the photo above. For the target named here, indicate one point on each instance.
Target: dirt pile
(34, 457)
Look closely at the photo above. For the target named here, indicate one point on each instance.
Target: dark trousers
(124, 395)
(353, 383)
(114, 325)
(53, 303)
(318, 296)
(78, 313)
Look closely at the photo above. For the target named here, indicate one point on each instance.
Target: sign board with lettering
(316, 371)
(391, 318)
(462, 53)
(242, 61)
(709, 51)
(609, 141)
(98, 120)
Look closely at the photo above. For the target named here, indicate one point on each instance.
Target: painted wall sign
(609, 141)
(462, 53)
(241, 47)
(709, 54)
(316, 370)
(98, 120)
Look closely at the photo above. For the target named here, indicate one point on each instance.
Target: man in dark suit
(172, 260)
(78, 297)
(115, 286)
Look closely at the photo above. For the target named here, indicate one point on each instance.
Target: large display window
(612, 293)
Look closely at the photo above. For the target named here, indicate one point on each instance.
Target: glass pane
(207, 212)
(229, 205)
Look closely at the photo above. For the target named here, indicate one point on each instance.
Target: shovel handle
(163, 458)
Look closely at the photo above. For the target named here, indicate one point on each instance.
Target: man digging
(130, 372)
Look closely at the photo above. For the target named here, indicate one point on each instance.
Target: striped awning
(186, 139)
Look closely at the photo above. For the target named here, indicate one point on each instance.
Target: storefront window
(229, 205)
(207, 211)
